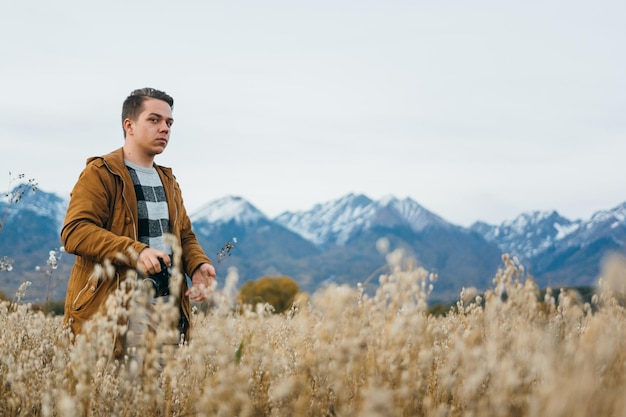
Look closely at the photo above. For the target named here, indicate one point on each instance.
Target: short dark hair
(133, 104)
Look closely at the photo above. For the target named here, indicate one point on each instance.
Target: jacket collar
(115, 161)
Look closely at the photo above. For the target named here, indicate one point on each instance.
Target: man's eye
(169, 124)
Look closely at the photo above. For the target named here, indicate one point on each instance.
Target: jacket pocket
(87, 294)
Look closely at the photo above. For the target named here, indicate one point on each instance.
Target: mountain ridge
(335, 240)
(336, 220)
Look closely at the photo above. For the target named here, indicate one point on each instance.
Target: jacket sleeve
(90, 215)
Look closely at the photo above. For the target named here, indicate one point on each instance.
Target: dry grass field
(340, 352)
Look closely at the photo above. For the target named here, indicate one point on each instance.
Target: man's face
(151, 131)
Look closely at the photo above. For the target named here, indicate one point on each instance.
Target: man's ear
(128, 125)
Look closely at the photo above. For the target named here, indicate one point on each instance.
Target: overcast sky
(477, 110)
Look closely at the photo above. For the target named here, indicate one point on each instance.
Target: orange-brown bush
(279, 292)
(341, 353)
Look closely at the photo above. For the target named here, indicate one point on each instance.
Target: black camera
(161, 280)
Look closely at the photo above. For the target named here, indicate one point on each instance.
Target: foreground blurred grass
(341, 353)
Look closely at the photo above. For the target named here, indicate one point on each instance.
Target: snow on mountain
(336, 221)
(601, 223)
(614, 217)
(41, 203)
(226, 209)
(556, 250)
(416, 216)
(529, 233)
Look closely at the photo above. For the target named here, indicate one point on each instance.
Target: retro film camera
(160, 281)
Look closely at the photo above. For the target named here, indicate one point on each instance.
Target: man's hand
(148, 261)
(201, 281)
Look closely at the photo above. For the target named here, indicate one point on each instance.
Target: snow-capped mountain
(227, 209)
(347, 229)
(604, 223)
(558, 251)
(528, 234)
(29, 232)
(337, 221)
(335, 241)
(259, 245)
(40, 203)
(417, 217)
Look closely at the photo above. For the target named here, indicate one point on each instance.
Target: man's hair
(133, 105)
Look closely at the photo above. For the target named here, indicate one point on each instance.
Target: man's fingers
(149, 260)
(148, 267)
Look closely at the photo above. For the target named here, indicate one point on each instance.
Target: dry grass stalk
(341, 353)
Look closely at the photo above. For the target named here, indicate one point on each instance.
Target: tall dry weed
(341, 352)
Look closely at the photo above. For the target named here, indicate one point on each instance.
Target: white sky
(477, 110)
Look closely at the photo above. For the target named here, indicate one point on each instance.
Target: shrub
(279, 292)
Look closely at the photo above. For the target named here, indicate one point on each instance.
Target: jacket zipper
(175, 205)
(123, 197)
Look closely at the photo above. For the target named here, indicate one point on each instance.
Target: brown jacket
(101, 224)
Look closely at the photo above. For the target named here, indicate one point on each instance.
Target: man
(120, 209)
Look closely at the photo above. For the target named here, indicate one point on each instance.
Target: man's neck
(138, 158)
